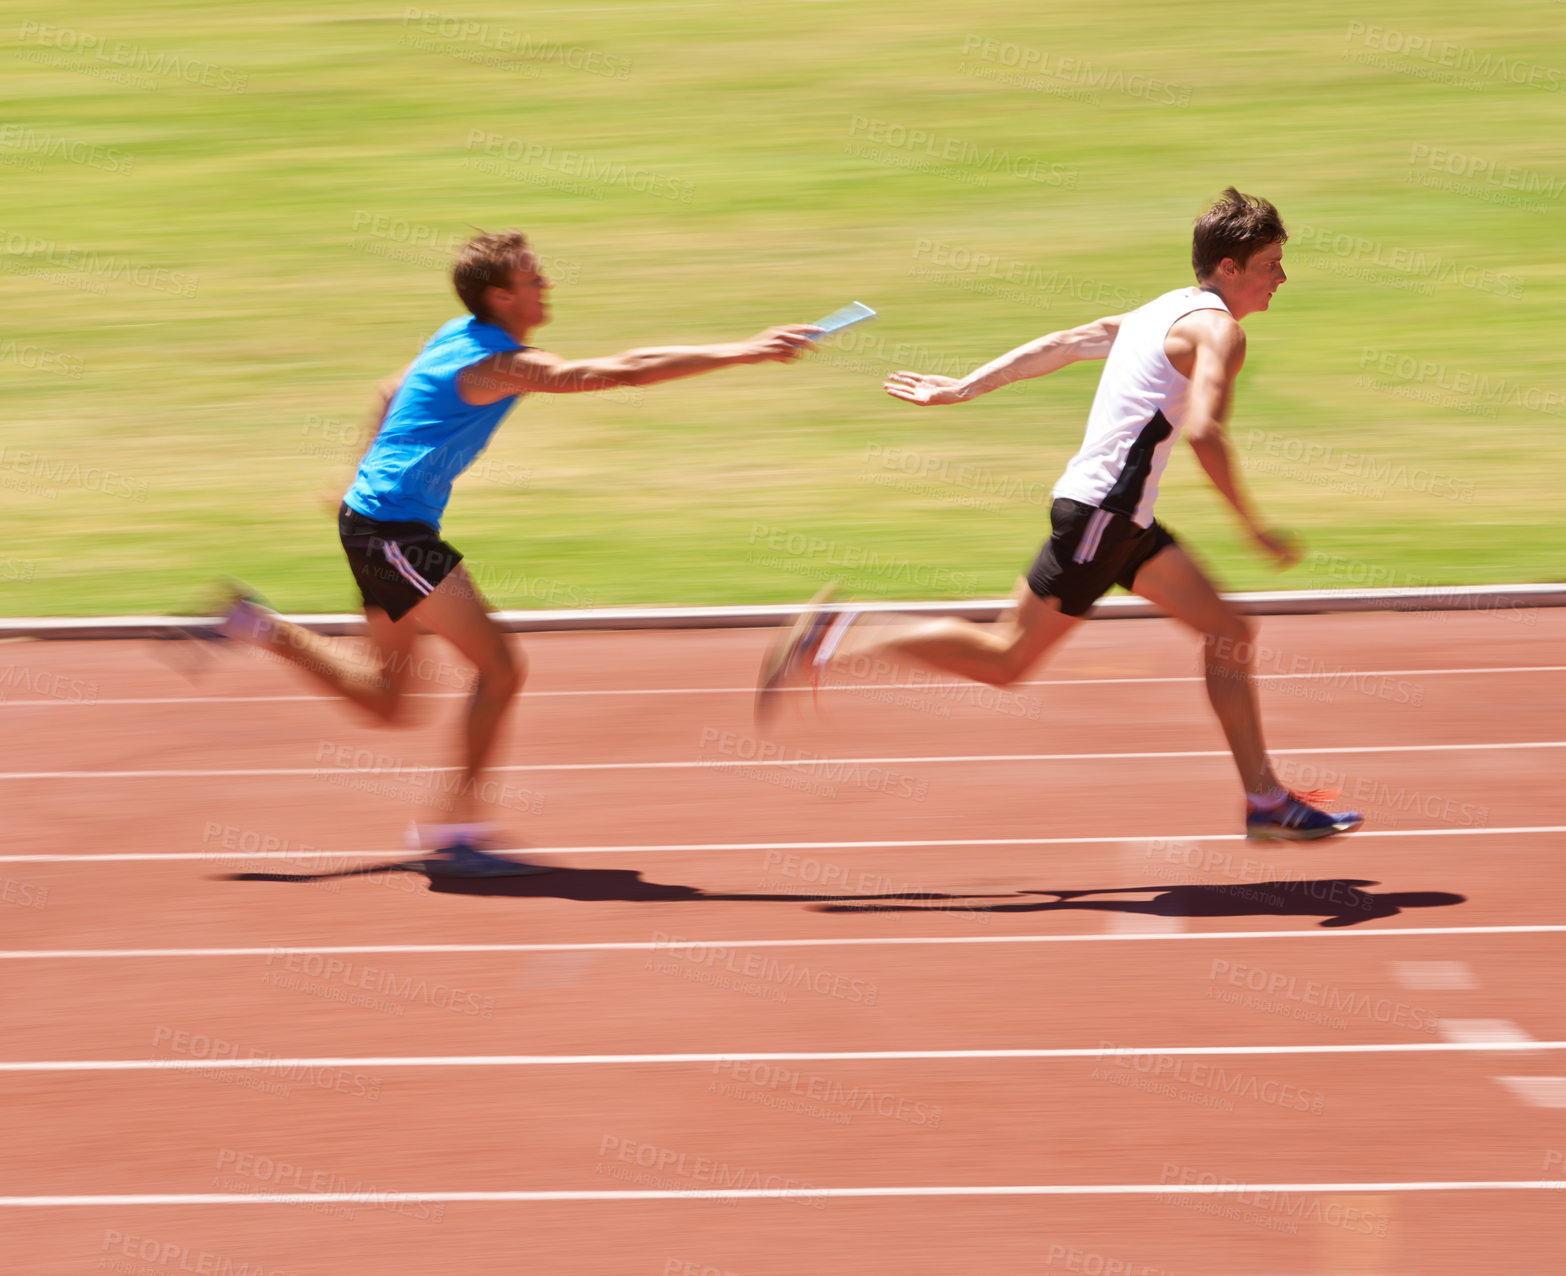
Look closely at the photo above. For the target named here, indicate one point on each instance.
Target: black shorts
(396, 565)
(1088, 551)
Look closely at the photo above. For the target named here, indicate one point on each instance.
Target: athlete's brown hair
(1235, 226)
(486, 261)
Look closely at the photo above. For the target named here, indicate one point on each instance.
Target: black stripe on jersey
(1126, 494)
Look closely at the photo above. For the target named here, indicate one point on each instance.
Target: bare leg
(996, 657)
(457, 612)
(374, 682)
(1174, 582)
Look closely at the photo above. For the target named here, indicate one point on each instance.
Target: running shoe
(792, 660)
(459, 854)
(1295, 820)
(462, 860)
(241, 614)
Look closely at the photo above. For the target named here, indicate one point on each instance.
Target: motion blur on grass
(222, 225)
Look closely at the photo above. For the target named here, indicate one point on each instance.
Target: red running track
(1242, 1060)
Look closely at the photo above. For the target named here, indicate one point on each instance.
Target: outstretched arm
(1037, 358)
(539, 372)
(1220, 354)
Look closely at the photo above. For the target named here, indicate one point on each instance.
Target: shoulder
(1216, 330)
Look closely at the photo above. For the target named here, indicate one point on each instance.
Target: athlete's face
(524, 304)
(1250, 288)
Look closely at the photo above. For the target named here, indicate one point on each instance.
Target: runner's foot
(792, 660)
(1292, 819)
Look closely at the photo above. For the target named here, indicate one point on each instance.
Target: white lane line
(316, 859)
(779, 1193)
(805, 764)
(273, 1063)
(1435, 976)
(679, 944)
(1538, 1092)
(1348, 675)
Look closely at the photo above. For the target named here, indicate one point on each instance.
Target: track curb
(1493, 598)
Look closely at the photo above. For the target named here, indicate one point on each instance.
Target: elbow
(1204, 434)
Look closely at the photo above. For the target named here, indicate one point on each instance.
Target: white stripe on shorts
(399, 560)
(1091, 535)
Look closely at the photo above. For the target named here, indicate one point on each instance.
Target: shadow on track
(1338, 901)
(595, 885)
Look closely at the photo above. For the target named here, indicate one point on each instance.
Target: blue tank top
(430, 434)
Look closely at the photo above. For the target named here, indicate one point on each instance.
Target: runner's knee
(504, 674)
(1230, 640)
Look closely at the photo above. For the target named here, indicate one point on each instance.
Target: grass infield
(223, 225)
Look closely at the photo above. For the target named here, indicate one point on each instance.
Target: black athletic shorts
(1088, 551)
(395, 564)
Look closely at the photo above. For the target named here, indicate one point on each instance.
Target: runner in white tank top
(1170, 366)
(1138, 412)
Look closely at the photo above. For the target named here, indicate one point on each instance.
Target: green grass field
(222, 225)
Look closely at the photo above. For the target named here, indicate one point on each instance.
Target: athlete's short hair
(1235, 226)
(486, 261)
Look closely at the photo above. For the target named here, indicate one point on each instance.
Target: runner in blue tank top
(433, 421)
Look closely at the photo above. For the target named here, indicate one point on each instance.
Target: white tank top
(1137, 413)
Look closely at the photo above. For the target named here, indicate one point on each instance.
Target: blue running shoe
(462, 860)
(1295, 820)
(792, 660)
(459, 854)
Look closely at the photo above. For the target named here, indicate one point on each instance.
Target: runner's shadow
(591, 885)
(1338, 901)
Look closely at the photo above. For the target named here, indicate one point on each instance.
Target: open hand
(926, 391)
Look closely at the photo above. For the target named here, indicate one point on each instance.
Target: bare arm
(1219, 356)
(539, 372)
(374, 419)
(1037, 358)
